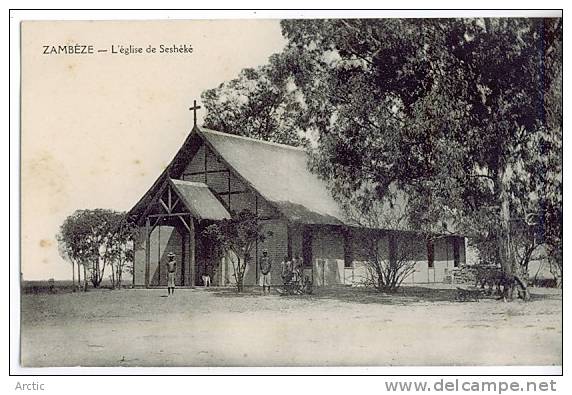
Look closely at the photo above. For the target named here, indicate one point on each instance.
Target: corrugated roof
(199, 200)
(280, 174)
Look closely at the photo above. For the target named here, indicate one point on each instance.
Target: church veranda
(171, 224)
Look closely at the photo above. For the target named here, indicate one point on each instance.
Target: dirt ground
(334, 327)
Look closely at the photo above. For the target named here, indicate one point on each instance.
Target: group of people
(293, 277)
(292, 271)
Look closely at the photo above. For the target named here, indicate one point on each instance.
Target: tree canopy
(464, 116)
(238, 236)
(260, 103)
(96, 239)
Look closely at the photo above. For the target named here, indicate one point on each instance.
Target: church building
(214, 174)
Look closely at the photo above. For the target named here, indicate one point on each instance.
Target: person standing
(265, 267)
(297, 269)
(172, 267)
(286, 270)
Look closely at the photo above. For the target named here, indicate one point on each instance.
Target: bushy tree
(117, 249)
(67, 254)
(464, 116)
(73, 238)
(96, 239)
(455, 112)
(238, 236)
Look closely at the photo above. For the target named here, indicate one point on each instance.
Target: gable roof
(277, 172)
(280, 174)
(199, 200)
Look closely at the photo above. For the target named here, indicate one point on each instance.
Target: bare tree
(390, 257)
(388, 267)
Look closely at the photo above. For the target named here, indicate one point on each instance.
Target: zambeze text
(76, 49)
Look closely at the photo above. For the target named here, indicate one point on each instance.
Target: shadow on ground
(403, 296)
(363, 295)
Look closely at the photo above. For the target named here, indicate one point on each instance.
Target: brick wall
(277, 246)
(328, 243)
(417, 252)
(139, 258)
(197, 163)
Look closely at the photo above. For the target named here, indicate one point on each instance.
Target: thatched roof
(277, 172)
(199, 200)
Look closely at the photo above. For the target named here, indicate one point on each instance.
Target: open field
(55, 287)
(334, 327)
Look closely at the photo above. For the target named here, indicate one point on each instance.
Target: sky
(98, 129)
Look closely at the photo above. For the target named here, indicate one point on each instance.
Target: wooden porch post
(183, 260)
(192, 251)
(147, 251)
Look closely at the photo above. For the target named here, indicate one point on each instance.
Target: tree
(117, 248)
(455, 112)
(554, 241)
(72, 243)
(238, 236)
(124, 255)
(389, 256)
(389, 265)
(260, 103)
(96, 239)
(65, 253)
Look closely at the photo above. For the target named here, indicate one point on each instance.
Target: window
(430, 254)
(456, 252)
(348, 249)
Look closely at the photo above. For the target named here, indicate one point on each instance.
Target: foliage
(96, 239)
(238, 236)
(118, 246)
(64, 252)
(389, 260)
(463, 115)
(260, 103)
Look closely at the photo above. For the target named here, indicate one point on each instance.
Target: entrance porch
(173, 223)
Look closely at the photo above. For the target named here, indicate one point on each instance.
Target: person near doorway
(265, 267)
(171, 266)
(286, 270)
(297, 269)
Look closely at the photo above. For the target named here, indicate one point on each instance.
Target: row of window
(348, 251)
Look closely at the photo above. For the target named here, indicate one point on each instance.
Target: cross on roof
(194, 108)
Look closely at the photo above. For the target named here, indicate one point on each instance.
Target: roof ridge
(237, 136)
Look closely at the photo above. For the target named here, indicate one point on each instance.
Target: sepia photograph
(292, 192)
